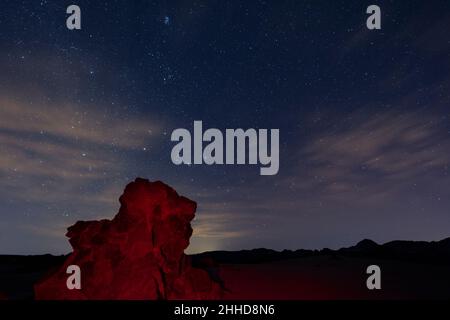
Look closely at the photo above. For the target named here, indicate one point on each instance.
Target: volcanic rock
(139, 254)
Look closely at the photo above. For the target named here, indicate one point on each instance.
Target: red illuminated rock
(137, 255)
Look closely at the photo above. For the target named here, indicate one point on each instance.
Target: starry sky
(363, 117)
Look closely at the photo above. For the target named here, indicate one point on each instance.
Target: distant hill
(19, 273)
(419, 251)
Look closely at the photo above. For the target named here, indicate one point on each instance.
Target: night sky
(364, 117)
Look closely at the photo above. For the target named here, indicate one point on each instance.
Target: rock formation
(139, 254)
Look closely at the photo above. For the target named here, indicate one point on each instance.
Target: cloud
(214, 230)
(55, 231)
(75, 126)
(374, 156)
(52, 153)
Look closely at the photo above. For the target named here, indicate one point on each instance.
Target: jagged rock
(137, 255)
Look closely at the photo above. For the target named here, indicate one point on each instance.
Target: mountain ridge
(18, 273)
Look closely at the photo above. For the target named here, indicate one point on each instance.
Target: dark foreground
(410, 270)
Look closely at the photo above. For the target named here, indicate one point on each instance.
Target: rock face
(137, 255)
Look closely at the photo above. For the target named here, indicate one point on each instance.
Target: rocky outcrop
(137, 255)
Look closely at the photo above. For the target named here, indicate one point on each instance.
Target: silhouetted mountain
(366, 245)
(426, 252)
(420, 251)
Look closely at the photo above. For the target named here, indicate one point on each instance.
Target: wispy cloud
(77, 126)
(51, 153)
(374, 156)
